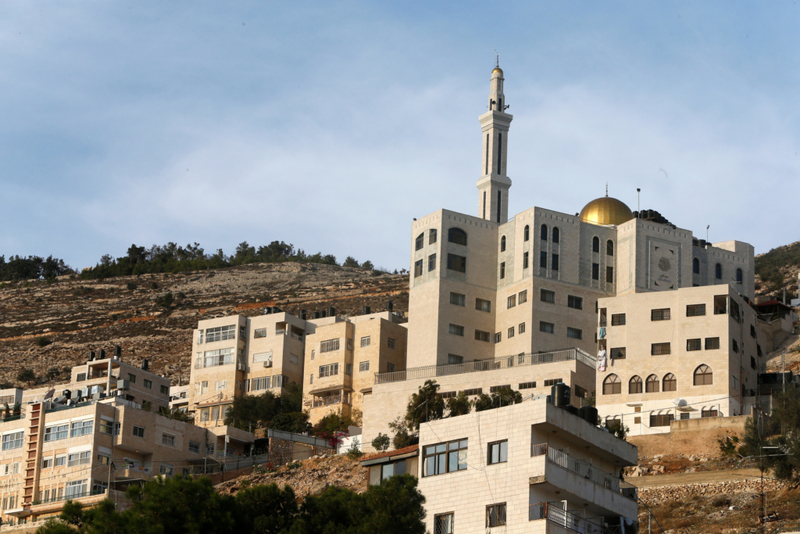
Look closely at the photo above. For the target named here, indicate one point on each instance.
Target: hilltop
(777, 270)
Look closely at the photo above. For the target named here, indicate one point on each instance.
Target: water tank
(331, 312)
(91, 356)
(102, 354)
(303, 314)
(590, 414)
(365, 310)
(67, 394)
(118, 352)
(390, 306)
(572, 409)
(561, 394)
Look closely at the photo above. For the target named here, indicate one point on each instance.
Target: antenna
(707, 227)
(638, 196)
(497, 64)
(606, 188)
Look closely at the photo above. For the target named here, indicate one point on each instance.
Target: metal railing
(327, 401)
(584, 469)
(554, 513)
(503, 362)
(71, 496)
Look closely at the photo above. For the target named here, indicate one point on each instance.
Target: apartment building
(342, 358)
(690, 353)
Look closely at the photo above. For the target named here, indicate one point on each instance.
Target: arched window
(556, 235)
(457, 236)
(696, 266)
(543, 232)
(709, 412)
(420, 241)
(503, 244)
(635, 384)
(612, 385)
(595, 244)
(670, 382)
(739, 276)
(718, 271)
(527, 233)
(703, 376)
(651, 386)
(609, 248)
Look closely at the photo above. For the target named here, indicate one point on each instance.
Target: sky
(331, 125)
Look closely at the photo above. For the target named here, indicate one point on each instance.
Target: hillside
(777, 270)
(51, 326)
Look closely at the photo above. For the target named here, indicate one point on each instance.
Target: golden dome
(497, 70)
(606, 210)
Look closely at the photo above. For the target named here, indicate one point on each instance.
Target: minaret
(493, 185)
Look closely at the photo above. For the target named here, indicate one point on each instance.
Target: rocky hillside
(50, 326)
(777, 270)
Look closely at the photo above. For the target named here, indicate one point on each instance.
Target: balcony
(560, 521)
(328, 401)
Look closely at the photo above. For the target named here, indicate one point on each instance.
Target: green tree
(424, 405)
(458, 405)
(403, 437)
(367, 266)
(26, 375)
(350, 261)
(265, 509)
(332, 426)
(394, 507)
(381, 443)
(502, 397)
(781, 430)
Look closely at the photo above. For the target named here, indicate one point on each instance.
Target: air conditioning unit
(123, 384)
(267, 364)
(240, 366)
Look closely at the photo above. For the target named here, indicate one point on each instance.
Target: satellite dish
(49, 394)
(680, 403)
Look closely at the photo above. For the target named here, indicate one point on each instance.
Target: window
(420, 241)
(480, 335)
(752, 331)
(512, 301)
(695, 310)
(138, 431)
(595, 244)
(81, 428)
(496, 515)
(331, 369)
(47, 463)
(661, 419)
(612, 385)
(618, 353)
(524, 260)
(457, 263)
(76, 488)
(453, 359)
(329, 345)
(165, 390)
(456, 330)
(543, 260)
(575, 302)
(210, 449)
(503, 244)
(214, 358)
(552, 382)
(635, 384)
(703, 376)
(547, 328)
(168, 440)
(444, 457)
(735, 311)
(417, 268)
(718, 271)
(696, 266)
(659, 315)
(363, 366)
(526, 233)
(556, 235)
(194, 446)
(651, 386)
(502, 270)
(432, 262)
(694, 344)
(610, 275)
(259, 333)
(659, 349)
(554, 262)
(609, 248)
(595, 271)
(483, 305)
(523, 296)
(510, 332)
(391, 343)
(521, 328)
(457, 236)
(720, 304)
(458, 299)
(132, 378)
(220, 333)
(79, 458)
(527, 385)
(498, 337)
(81, 377)
(708, 412)
(365, 341)
(617, 319)
(52, 433)
(432, 236)
(498, 452)
(739, 276)
(166, 469)
(574, 333)
(734, 345)
(670, 382)
(443, 523)
(543, 232)
(61, 461)
(548, 296)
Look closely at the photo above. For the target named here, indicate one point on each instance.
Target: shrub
(26, 375)
(381, 443)
(132, 285)
(42, 341)
(153, 285)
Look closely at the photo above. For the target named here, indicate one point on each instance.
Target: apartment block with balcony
(531, 467)
(342, 358)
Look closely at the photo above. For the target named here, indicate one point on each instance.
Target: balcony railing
(72, 496)
(583, 469)
(327, 401)
(503, 362)
(555, 514)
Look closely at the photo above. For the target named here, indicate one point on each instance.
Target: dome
(497, 70)
(606, 210)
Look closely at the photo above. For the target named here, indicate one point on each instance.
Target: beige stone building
(342, 359)
(690, 353)
(531, 467)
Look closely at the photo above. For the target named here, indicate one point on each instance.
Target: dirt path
(695, 478)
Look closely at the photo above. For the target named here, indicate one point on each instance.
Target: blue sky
(330, 125)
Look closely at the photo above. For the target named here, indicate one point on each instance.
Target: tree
(265, 509)
(367, 266)
(458, 405)
(26, 375)
(782, 430)
(332, 427)
(403, 437)
(424, 405)
(350, 262)
(502, 397)
(394, 507)
(381, 443)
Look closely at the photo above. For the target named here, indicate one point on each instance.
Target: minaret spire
(494, 184)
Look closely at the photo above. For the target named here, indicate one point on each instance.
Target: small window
(432, 236)
(739, 276)
(543, 232)
(735, 345)
(554, 262)
(525, 261)
(363, 366)
(610, 275)
(420, 241)
(552, 382)
(329, 345)
(527, 385)
(696, 266)
(168, 440)
(432, 262)
(483, 305)
(131, 378)
(148, 383)
(635, 384)
(417, 268)
(498, 337)
(659, 349)
(720, 304)
(498, 452)
(443, 524)
(447, 457)
(575, 302)
(194, 446)
(503, 244)
(523, 296)
(259, 333)
(695, 310)
(543, 260)
(609, 248)
(703, 376)
(595, 244)
(612, 385)
(391, 343)
(512, 301)
(752, 331)
(694, 344)
(521, 328)
(457, 236)
(718, 271)
(526, 233)
(138, 431)
(510, 332)
(595, 271)
(708, 412)
(164, 390)
(660, 314)
(454, 359)
(458, 299)
(547, 328)
(574, 333)
(548, 296)
(617, 319)
(661, 419)
(502, 270)
(456, 330)
(495, 515)
(670, 382)
(556, 235)
(618, 353)
(366, 341)
(480, 335)
(651, 386)
(457, 263)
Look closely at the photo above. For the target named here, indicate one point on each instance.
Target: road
(700, 477)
